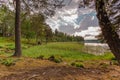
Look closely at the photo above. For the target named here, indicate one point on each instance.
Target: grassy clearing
(65, 50)
(68, 51)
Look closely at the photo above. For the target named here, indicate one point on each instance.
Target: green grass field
(66, 50)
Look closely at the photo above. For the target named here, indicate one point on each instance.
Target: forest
(30, 49)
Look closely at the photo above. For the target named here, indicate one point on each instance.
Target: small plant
(8, 62)
(54, 59)
(51, 58)
(58, 60)
(40, 57)
(77, 65)
(73, 63)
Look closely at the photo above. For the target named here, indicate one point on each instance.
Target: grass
(68, 51)
(8, 61)
(65, 50)
(7, 46)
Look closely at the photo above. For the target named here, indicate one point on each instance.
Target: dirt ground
(32, 69)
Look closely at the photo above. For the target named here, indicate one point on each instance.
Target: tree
(6, 21)
(48, 33)
(38, 22)
(45, 7)
(18, 51)
(108, 28)
(26, 29)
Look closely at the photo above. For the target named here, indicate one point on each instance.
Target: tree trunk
(107, 28)
(18, 51)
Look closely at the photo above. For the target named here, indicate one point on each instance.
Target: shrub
(51, 58)
(77, 65)
(113, 58)
(57, 60)
(54, 59)
(40, 57)
(73, 63)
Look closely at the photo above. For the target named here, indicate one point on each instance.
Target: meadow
(67, 51)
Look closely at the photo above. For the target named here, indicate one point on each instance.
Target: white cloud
(63, 17)
(90, 33)
(80, 20)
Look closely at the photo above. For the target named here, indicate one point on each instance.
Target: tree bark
(107, 28)
(18, 51)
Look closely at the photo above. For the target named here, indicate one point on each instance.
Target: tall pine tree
(18, 50)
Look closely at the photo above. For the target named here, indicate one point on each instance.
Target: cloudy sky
(73, 20)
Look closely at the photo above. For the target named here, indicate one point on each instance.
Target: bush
(54, 59)
(113, 58)
(77, 65)
(73, 64)
(58, 60)
(40, 57)
(51, 58)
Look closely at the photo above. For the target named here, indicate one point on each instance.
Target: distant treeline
(62, 37)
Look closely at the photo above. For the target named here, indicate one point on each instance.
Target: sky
(75, 21)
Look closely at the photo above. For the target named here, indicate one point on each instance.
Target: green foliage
(32, 27)
(6, 21)
(55, 59)
(114, 61)
(10, 46)
(27, 31)
(40, 57)
(73, 63)
(1, 46)
(8, 62)
(80, 65)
